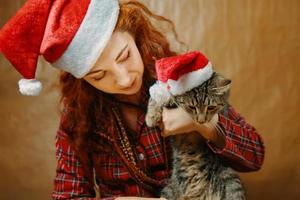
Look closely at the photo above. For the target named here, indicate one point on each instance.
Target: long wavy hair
(81, 104)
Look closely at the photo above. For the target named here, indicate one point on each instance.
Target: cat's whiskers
(219, 129)
(216, 126)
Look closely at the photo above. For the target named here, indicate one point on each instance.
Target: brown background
(256, 43)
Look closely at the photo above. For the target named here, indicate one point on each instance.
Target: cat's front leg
(154, 113)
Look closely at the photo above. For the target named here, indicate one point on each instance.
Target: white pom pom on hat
(159, 92)
(30, 87)
(70, 35)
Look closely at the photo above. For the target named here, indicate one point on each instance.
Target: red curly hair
(82, 104)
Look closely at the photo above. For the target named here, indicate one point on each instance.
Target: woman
(107, 55)
(120, 79)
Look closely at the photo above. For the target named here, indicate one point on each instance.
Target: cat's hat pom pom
(159, 92)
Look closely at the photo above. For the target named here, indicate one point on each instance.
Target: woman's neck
(135, 98)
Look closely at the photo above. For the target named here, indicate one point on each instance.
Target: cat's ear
(222, 85)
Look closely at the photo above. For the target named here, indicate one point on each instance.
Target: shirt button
(141, 156)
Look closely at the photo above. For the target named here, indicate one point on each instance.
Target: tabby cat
(198, 174)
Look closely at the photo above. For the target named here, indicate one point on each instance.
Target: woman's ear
(222, 84)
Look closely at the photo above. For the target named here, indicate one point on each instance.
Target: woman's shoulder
(61, 134)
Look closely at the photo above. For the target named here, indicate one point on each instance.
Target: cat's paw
(152, 120)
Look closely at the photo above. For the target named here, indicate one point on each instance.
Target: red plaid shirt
(244, 151)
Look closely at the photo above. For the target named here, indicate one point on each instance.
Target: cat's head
(204, 101)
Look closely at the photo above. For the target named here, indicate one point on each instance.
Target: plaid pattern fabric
(244, 151)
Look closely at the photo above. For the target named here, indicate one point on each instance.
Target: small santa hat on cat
(179, 74)
(69, 34)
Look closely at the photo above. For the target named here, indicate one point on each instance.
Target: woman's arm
(242, 146)
(69, 181)
(234, 140)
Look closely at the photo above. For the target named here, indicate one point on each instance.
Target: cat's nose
(200, 119)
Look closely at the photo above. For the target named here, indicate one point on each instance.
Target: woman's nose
(121, 76)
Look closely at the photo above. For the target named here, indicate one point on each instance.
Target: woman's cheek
(137, 64)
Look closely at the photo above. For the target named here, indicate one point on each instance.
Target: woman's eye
(128, 55)
(99, 77)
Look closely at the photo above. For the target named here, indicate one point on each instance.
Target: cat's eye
(211, 108)
(192, 107)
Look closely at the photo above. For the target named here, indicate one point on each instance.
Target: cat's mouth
(200, 120)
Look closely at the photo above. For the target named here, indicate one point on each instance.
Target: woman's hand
(178, 121)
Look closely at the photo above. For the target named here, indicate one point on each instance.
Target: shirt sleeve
(69, 182)
(244, 148)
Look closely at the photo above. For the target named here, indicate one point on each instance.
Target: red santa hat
(70, 35)
(179, 74)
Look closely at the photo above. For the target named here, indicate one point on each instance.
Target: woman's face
(119, 69)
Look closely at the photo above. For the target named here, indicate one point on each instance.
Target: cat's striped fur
(198, 174)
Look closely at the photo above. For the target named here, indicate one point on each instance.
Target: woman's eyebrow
(122, 50)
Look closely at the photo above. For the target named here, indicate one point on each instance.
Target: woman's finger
(162, 129)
